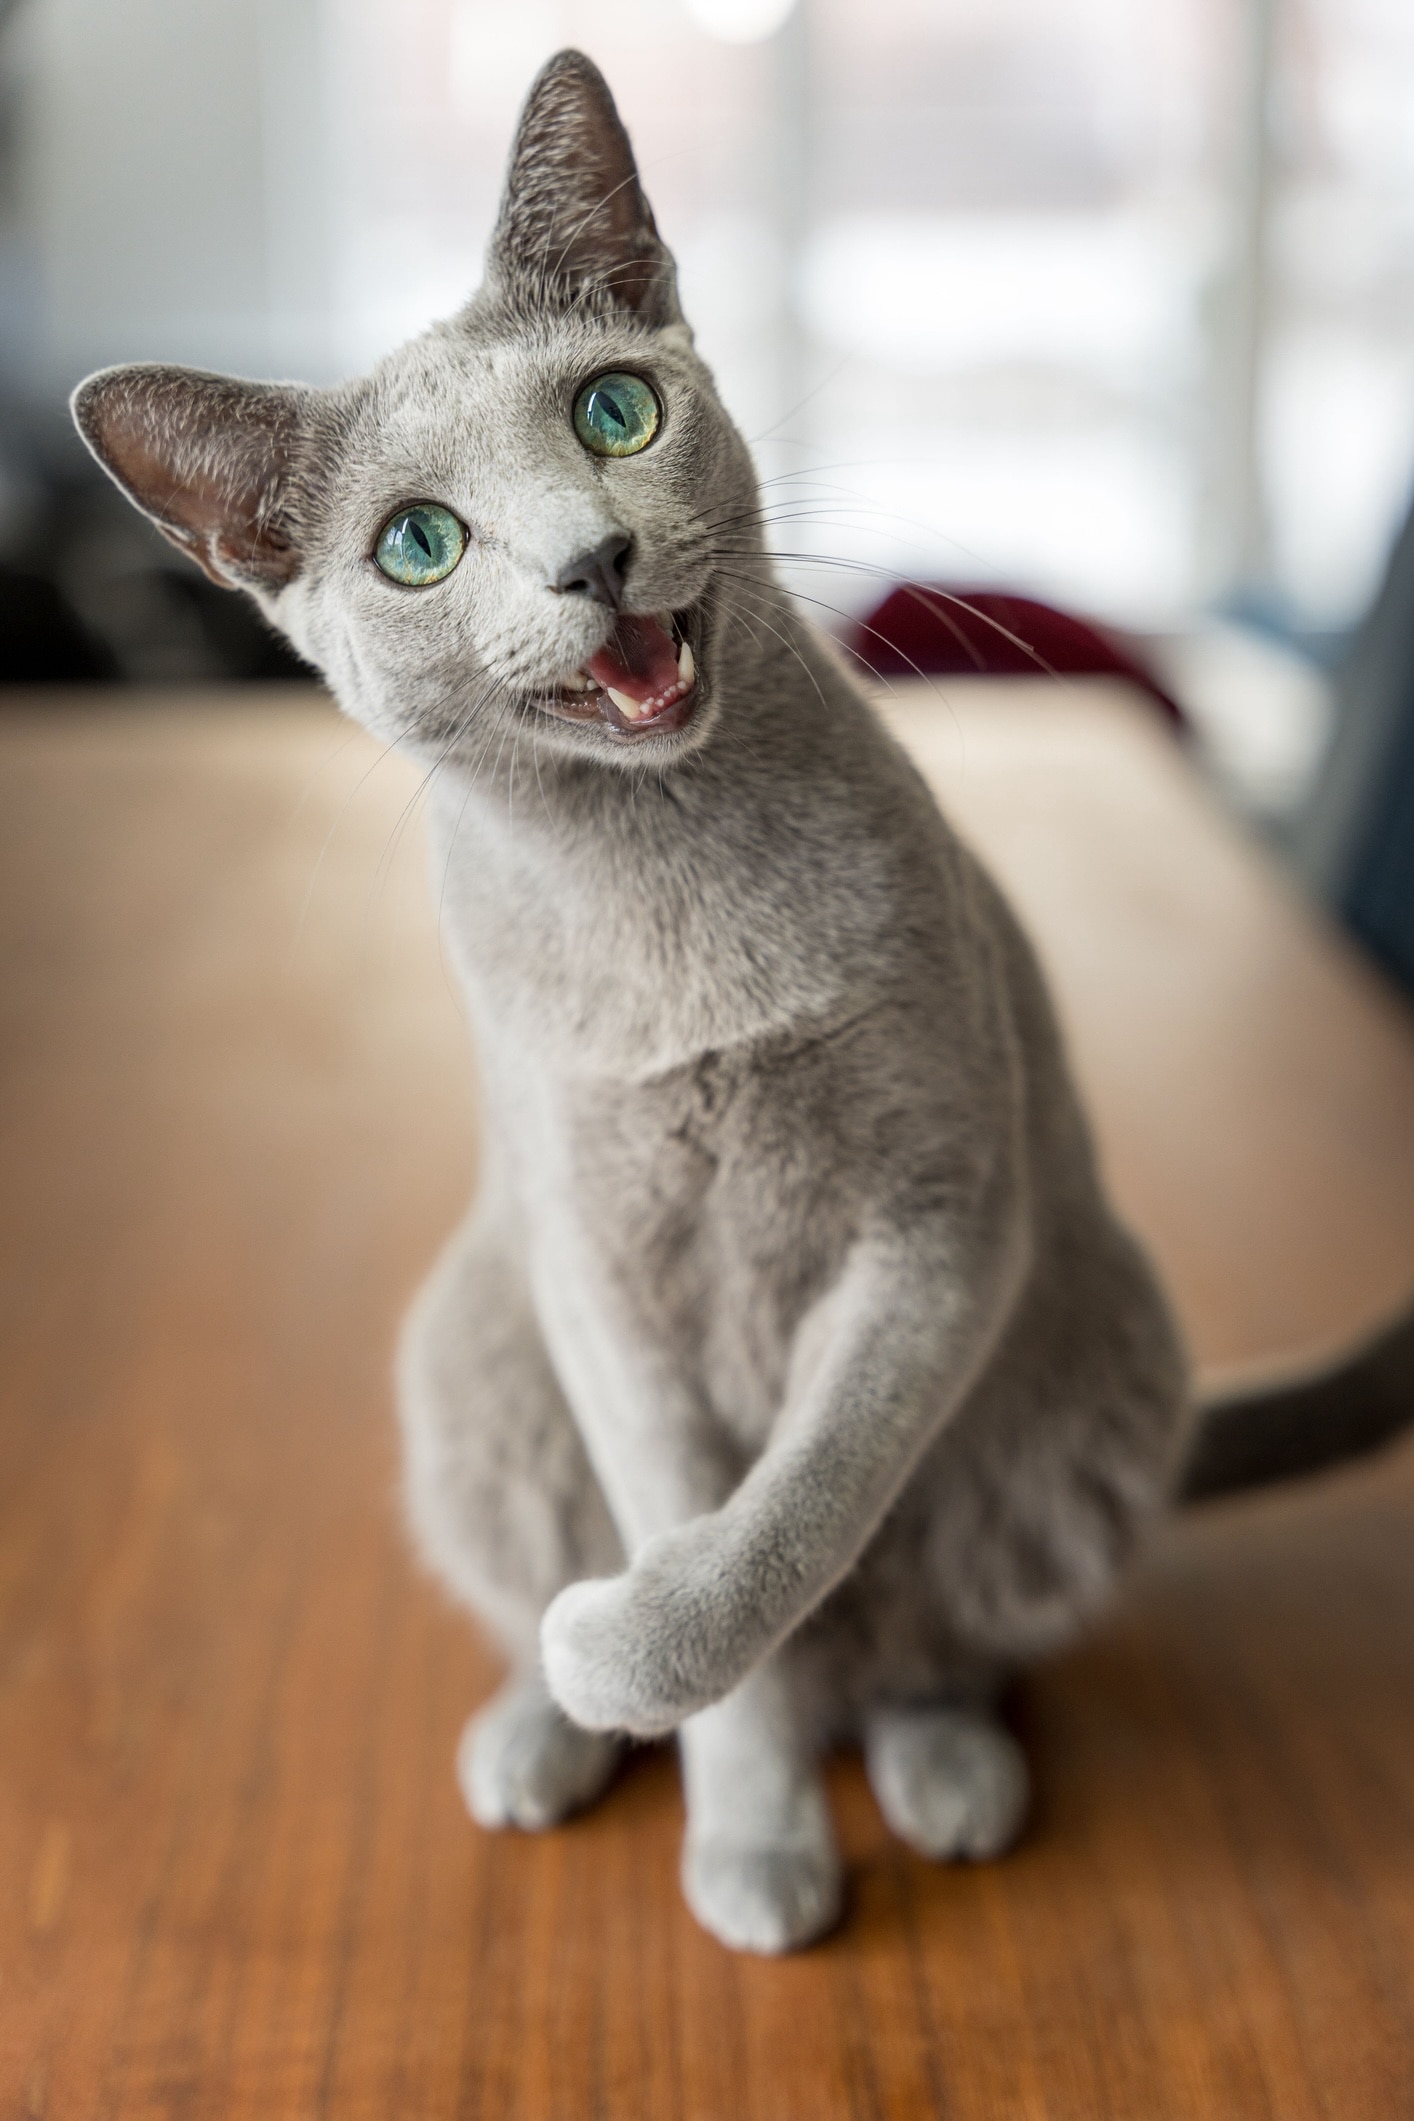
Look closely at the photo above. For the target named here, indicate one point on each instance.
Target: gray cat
(790, 1379)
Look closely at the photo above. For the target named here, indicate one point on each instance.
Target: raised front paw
(603, 1665)
(637, 1652)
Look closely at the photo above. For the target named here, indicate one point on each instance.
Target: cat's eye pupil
(420, 545)
(617, 415)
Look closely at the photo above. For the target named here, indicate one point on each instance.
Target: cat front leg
(760, 1868)
(659, 1454)
(887, 1358)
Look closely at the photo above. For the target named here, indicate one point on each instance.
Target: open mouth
(642, 681)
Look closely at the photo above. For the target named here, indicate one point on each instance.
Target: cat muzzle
(644, 678)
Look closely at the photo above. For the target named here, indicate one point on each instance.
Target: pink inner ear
(206, 458)
(187, 507)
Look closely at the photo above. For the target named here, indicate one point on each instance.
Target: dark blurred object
(143, 624)
(235, 633)
(1355, 842)
(43, 641)
(167, 624)
(925, 630)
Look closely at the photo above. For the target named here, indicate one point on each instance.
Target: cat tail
(1304, 1424)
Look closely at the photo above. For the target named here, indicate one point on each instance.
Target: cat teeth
(639, 710)
(631, 710)
(581, 681)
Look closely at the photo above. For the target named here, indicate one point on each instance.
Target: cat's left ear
(209, 458)
(575, 229)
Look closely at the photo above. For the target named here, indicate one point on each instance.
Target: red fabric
(924, 628)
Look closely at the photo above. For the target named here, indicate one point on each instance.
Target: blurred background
(1108, 305)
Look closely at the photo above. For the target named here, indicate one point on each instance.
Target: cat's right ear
(209, 458)
(575, 229)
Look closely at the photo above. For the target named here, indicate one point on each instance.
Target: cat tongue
(638, 658)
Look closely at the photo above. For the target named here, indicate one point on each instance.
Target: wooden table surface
(235, 1877)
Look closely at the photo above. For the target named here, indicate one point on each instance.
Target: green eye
(616, 415)
(420, 545)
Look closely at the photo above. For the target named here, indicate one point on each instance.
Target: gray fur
(951, 1783)
(521, 1762)
(791, 1377)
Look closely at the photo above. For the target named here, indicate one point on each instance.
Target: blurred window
(1112, 302)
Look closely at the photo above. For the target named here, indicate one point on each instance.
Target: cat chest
(719, 1206)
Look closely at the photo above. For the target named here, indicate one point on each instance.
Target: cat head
(513, 524)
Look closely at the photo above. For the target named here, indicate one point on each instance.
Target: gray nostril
(599, 574)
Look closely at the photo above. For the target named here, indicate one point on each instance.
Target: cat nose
(599, 574)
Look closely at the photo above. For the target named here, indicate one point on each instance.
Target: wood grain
(235, 1878)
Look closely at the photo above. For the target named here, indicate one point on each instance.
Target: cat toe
(950, 1782)
(766, 1900)
(521, 1762)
